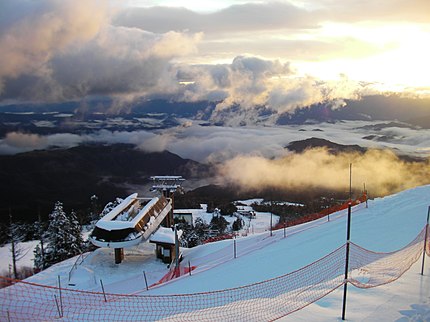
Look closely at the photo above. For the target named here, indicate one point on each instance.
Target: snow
(114, 225)
(25, 261)
(165, 235)
(388, 224)
(115, 211)
(259, 223)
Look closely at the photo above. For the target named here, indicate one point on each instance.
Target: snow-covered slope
(386, 225)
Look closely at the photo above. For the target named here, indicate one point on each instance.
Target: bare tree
(15, 237)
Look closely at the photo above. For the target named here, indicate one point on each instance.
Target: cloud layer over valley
(381, 170)
(256, 157)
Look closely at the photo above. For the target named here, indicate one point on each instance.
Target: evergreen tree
(39, 260)
(62, 236)
(200, 226)
(219, 223)
(109, 206)
(76, 241)
(94, 208)
(39, 251)
(237, 224)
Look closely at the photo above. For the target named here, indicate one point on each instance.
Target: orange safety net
(322, 213)
(371, 269)
(267, 300)
(175, 272)
(263, 301)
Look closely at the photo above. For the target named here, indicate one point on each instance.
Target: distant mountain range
(334, 148)
(101, 113)
(33, 181)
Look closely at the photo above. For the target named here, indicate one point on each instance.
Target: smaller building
(164, 240)
(183, 215)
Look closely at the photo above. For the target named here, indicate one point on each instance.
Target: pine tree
(219, 223)
(77, 243)
(237, 224)
(39, 260)
(94, 208)
(109, 206)
(63, 236)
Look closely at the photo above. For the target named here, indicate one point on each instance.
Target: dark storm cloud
(67, 49)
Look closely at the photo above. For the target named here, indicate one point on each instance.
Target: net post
(61, 298)
(103, 290)
(285, 229)
(271, 224)
(58, 306)
(345, 286)
(234, 247)
(146, 281)
(425, 241)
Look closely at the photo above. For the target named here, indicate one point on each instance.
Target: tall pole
(365, 194)
(348, 238)
(345, 286)
(425, 241)
(176, 247)
(271, 223)
(350, 182)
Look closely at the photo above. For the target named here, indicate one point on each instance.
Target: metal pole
(350, 181)
(176, 248)
(365, 193)
(271, 224)
(61, 298)
(234, 247)
(146, 281)
(189, 268)
(345, 286)
(285, 227)
(103, 290)
(425, 241)
(58, 307)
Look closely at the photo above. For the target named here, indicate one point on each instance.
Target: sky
(280, 54)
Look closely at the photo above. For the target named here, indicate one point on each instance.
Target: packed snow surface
(388, 224)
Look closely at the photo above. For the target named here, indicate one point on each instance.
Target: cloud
(27, 45)
(252, 83)
(385, 10)
(255, 157)
(233, 19)
(17, 142)
(381, 170)
(66, 50)
(270, 16)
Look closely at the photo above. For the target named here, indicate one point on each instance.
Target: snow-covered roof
(114, 225)
(182, 211)
(165, 235)
(114, 221)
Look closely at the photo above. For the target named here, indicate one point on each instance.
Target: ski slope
(386, 225)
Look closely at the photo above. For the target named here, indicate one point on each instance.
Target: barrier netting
(264, 301)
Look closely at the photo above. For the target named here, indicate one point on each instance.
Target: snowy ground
(26, 260)
(387, 225)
